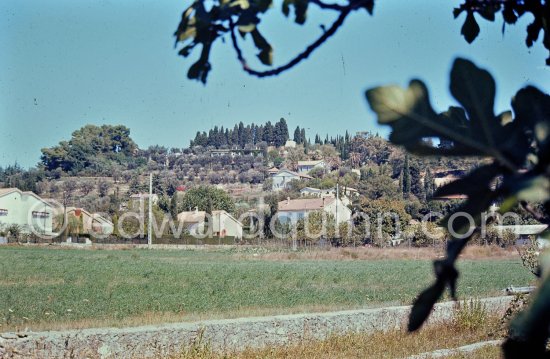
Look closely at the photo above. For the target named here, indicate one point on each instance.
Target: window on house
(37, 214)
(3, 212)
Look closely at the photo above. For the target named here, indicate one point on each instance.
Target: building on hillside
(306, 166)
(523, 231)
(223, 223)
(441, 181)
(138, 198)
(92, 223)
(27, 210)
(272, 171)
(310, 191)
(236, 152)
(451, 197)
(290, 144)
(282, 179)
(350, 191)
(295, 209)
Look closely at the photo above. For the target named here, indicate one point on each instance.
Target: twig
(300, 57)
(323, 5)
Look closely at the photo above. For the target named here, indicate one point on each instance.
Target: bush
(494, 236)
(471, 315)
(14, 230)
(424, 236)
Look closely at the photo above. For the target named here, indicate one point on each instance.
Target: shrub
(471, 315)
(494, 236)
(423, 236)
(14, 230)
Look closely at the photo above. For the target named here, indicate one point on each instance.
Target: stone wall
(229, 334)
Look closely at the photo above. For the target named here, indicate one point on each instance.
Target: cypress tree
(297, 135)
(406, 178)
(428, 184)
(174, 206)
(284, 130)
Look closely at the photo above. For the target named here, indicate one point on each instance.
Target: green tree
(428, 184)
(207, 198)
(417, 187)
(297, 135)
(391, 216)
(315, 226)
(378, 186)
(280, 133)
(174, 206)
(91, 147)
(406, 177)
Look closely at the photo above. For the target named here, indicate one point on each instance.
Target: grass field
(52, 288)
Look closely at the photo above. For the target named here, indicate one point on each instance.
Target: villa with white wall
(295, 209)
(27, 210)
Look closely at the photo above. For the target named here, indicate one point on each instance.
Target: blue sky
(114, 62)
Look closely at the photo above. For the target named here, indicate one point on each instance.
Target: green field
(42, 288)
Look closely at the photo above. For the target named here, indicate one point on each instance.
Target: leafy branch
(202, 25)
(511, 12)
(519, 149)
(266, 51)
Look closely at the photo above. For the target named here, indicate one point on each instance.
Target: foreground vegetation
(46, 288)
(476, 327)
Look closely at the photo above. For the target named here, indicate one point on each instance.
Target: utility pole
(337, 199)
(150, 227)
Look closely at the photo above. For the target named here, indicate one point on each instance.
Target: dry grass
(279, 253)
(392, 344)
(482, 353)
(370, 253)
(160, 318)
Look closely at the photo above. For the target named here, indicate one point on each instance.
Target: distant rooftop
(305, 204)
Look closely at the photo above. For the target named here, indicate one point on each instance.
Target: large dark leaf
(476, 182)
(470, 28)
(408, 111)
(532, 110)
(266, 51)
(300, 9)
(475, 89)
(423, 305)
(446, 275)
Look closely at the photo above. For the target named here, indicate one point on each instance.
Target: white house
(138, 199)
(306, 166)
(92, 223)
(442, 181)
(26, 209)
(351, 192)
(290, 144)
(282, 179)
(223, 224)
(310, 191)
(272, 171)
(294, 209)
(522, 232)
